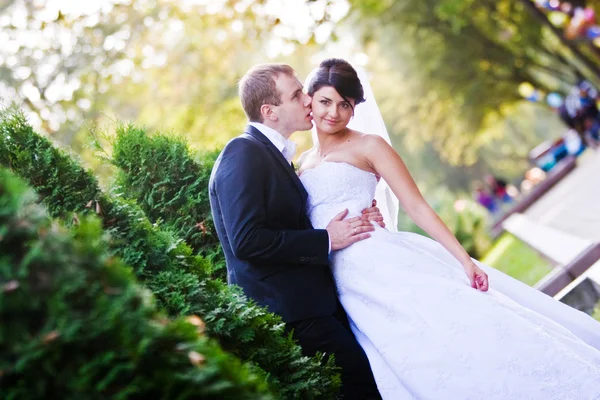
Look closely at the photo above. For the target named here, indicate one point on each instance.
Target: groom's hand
(343, 232)
(373, 214)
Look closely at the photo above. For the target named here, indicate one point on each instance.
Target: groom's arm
(240, 187)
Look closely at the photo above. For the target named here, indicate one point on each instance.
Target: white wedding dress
(429, 335)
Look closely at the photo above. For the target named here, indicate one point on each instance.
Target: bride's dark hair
(340, 75)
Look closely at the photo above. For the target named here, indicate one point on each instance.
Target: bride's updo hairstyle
(340, 75)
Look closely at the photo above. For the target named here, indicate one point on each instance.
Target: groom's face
(293, 113)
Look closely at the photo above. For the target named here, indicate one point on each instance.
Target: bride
(431, 325)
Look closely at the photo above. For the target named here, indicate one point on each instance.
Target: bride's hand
(373, 214)
(478, 278)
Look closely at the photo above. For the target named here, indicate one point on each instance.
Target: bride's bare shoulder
(364, 135)
(369, 139)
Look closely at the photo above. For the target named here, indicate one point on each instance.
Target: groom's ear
(268, 113)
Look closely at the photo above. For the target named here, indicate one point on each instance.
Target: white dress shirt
(285, 146)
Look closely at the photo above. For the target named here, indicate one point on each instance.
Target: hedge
(76, 325)
(179, 279)
(169, 182)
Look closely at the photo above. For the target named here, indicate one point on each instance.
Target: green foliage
(515, 258)
(454, 66)
(467, 220)
(179, 280)
(596, 313)
(160, 62)
(76, 325)
(470, 226)
(170, 184)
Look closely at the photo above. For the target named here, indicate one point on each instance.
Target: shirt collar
(285, 146)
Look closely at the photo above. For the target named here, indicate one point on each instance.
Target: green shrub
(467, 220)
(170, 183)
(76, 325)
(167, 266)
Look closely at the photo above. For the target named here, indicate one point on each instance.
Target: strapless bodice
(334, 186)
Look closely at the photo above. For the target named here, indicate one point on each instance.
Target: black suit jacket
(272, 251)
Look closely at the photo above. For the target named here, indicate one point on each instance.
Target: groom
(272, 251)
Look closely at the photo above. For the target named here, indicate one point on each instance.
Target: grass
(516, 259)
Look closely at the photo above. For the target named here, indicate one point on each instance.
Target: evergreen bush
(167, 266)
(170, 183)
(75, 325)
(467, 220)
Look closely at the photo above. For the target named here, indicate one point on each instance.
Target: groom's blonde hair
(257, 87)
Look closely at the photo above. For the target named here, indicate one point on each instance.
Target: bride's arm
(387, 163)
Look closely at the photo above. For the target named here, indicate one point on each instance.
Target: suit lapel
(250, 130)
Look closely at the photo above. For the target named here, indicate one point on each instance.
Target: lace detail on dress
(352, 188)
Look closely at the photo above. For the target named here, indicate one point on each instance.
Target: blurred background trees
(446, 72)
(460, 83)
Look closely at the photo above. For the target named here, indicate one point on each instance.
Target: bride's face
(331, 113)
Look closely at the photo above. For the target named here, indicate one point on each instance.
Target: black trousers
(332, 335)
